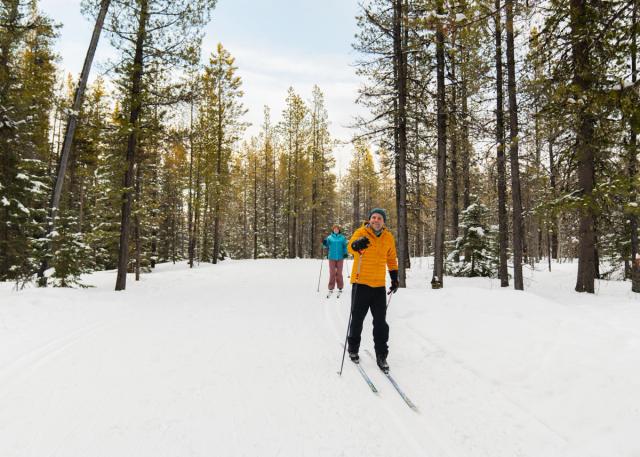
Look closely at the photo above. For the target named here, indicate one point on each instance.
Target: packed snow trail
(240, 359)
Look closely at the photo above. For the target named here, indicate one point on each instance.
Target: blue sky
(277, 44)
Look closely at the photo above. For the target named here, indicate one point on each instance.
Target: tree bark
(274, 210)
(218, 184)
(190, 228)
(453, 135)
(401, 157)
(136, 217)
(255, 206)
(552, 184)
(518, 235)
(437, 281)
(583, 80)
(314, 186)
(633, 157)
(502, 199)
(132, 144)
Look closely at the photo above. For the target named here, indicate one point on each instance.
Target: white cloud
(268, 73)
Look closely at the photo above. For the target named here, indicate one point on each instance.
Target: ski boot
(381, 360)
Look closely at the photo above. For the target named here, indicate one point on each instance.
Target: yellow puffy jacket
(380, 253)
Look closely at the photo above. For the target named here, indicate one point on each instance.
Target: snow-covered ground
(240, 359)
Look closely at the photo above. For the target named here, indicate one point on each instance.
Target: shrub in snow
(71, 256)
(476, 248)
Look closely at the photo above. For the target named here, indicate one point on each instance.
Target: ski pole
(320, 276)
(353, 301)
(390, 294)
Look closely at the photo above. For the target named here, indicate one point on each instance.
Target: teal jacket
(337, 245)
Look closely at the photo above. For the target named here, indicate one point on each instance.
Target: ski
(366, 378)
(402, 394)
(396, 386)
(364, 374)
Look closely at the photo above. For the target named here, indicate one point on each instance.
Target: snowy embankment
(240, 359)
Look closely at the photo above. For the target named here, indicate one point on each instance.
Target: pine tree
(152, 34)
(27, 78)
(219, 128)
(476, 247)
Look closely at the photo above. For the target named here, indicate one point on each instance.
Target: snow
(22, 208)
(240, 359)
(22, 176)
(623, 85)
(4, 201)
(479, 231)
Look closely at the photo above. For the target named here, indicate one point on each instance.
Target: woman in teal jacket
(336, 244)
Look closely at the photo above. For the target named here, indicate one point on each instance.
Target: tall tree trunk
(405, 64)
(465, 143)
(633, 157)
(190, 228)
(502, 199)
(154, 229)
(294, 227)
(267, 244)
(255, 207)
(552, 184)
(197, 213)
(218, 183)
(466, 148)
(274, 209)
(356, 197)
(245, 228)
(136, 217)
(314, 186)
(132, 144)
(453, 135)
(518, 236)
(418, 200)
(290, 248)
(401, 157)
(71, 130)
(583, 80)
(437, 280)
(206, 220)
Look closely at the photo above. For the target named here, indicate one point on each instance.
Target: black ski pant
(364, 298)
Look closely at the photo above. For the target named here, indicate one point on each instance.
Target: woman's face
(336, 230)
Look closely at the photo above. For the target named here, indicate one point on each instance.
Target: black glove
(360, 244)
(394, 281)
(346, 255)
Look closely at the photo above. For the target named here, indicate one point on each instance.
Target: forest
(501, 136)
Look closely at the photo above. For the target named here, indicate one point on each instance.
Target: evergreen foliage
(476, 248)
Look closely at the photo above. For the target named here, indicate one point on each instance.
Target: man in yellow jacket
(374, 250)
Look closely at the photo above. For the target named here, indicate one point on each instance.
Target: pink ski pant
(335, 274)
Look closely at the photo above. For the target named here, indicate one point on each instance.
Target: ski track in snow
(240, 359)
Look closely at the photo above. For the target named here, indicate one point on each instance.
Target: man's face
(376, 221)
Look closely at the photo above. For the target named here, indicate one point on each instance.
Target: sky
(276, 43)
